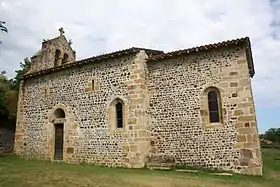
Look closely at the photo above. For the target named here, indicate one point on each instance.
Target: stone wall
(165, 112)
(6, 140)
(178, 112)
(85, 94)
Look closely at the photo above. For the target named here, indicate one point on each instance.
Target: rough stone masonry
(141, 107)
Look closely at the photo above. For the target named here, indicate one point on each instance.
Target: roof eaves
(245, 40)
(250, 58)
(91, 59)
(198, 49)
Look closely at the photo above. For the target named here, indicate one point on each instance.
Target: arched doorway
(58, 133)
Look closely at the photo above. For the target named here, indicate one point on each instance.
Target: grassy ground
(16, 172)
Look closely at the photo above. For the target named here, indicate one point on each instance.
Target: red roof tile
(132, 50)
(198, 49)
(154, 55)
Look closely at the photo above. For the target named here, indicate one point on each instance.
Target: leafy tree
(8, 102)
(2, 26)
(24, 67)
(9, 95)
(3, 90)
(272, 134)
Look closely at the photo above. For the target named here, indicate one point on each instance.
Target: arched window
(56, 58)
(59, 113)
(214, 106)
(119, 114)
(65, 58)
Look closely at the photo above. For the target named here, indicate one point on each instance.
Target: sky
(97, 27)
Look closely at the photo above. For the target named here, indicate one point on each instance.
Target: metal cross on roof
(61, 31)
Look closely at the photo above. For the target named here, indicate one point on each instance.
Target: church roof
(156, 55)
(106, 56)
(199, 48)
(150, 52)
(238, 41)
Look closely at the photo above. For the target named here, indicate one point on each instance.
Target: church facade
(141, 107)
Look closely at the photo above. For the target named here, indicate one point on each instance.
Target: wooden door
(58, 146)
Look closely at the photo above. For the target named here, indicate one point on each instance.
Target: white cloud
(103, 26)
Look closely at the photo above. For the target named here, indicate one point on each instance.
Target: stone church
(141, 107)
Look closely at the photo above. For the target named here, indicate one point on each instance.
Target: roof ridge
(199, 48)
(207, 47)
(103, 55)
(125, 51)
(93, 58)
(152, 55)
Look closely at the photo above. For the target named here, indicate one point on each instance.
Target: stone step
(187, 171)
(159, 168)
(221, 174)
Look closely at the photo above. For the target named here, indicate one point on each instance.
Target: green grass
(17, 172)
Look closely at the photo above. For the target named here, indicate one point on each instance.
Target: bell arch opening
(56, 58)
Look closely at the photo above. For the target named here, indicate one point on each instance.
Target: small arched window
(59, 113)
(56, 58)
(214, 106)
(119, 115)
(65, 58)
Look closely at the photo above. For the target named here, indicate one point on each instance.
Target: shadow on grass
(14, 165)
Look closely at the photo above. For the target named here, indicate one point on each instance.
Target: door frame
(55, 126)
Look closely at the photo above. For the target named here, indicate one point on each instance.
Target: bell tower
(54, 52)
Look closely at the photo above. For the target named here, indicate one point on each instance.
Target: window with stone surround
(92, 84)
(214, 105)
(44, 92)
(117, 115)
(211, 106)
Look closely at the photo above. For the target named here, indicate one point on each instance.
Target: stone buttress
(20, 128)
(138, 134)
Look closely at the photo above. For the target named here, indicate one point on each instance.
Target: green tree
(24, 67)
(9, 95)
(261, 136)
(4, 87)
(2, 26)
(8, 102)
(272, 134)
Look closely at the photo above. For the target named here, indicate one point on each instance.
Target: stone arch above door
(59, 114)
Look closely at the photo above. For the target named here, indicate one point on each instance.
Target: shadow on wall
(7, 136)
